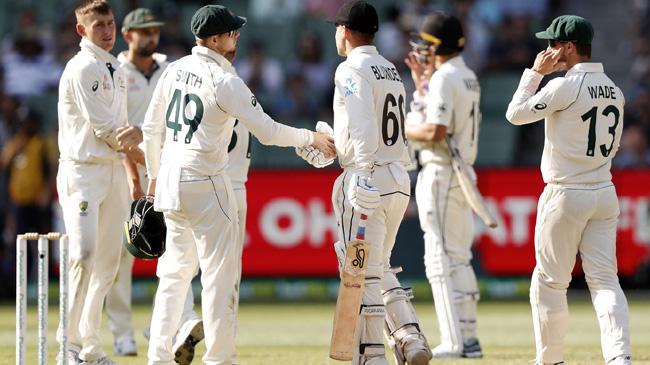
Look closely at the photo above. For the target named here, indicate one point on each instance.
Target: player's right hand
(362, 194)
(129, 137)
(325, 144)
(420, 72)
(548, 61)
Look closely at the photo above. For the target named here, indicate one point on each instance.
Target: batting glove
(313, 156)
(325, 128)
(362, 194)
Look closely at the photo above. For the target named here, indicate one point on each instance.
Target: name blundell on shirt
(188, 78)
(385, 73)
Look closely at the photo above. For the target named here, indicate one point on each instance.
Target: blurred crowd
(635, 148)
(294, 87)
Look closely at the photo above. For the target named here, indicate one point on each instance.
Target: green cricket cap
(571, 28)
(215, 19)
(140, 18)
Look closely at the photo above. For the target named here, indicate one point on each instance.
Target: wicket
(43, 284)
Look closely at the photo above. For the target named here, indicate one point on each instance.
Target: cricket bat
(468, 186)
(348, 303)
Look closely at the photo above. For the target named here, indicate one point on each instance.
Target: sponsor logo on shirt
(254, 101)
(95, 85)
(351, 87)
(83, 207)
(540, 106)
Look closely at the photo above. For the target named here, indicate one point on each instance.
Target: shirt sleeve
(94, 102)
(359, 104)
(236, 99)
(153, 128)
(527, 106)
(440, 102)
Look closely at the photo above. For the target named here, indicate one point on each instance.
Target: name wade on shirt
(385, 73)
(601, 92)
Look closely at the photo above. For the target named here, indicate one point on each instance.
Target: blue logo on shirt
(351, 87)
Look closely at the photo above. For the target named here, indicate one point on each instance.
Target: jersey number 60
(389, 115)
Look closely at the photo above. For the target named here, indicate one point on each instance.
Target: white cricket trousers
(202, 233)
(188, 309)
(574, 219)
(448, 226)
(94, 201)
(118, 299)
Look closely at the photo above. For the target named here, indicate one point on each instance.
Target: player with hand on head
(142, 68)
(198, 99)
(371, 149)
(446, 105)
(578, 211)
(91, 182)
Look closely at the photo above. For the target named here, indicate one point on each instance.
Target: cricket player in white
(450, 109)
(91, 181)
(578, 210)
(371, 147)
(198, 99)
(191, 329)
(142, 68)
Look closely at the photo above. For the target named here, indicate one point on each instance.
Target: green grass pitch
(299, 334)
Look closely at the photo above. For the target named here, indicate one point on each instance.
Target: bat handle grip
(361, 230)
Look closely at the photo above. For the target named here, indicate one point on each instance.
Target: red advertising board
(291, 226)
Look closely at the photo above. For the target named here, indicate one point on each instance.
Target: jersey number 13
(592, 116)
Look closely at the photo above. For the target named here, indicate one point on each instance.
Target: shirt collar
(101, 54)
(586, 67)
(456, 62)
(363, 49)
(158, 59)
(220, 60)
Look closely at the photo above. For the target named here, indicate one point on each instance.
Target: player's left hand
(129, 137)
(362, 194)
(135, 154)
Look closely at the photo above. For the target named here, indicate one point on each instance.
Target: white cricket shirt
(453, 100)
(197, 101)
(583, 114)
(92, 105)
(139, 87)
(369, 100)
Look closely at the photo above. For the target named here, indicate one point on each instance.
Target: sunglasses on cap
(420, 48)
(232, 33)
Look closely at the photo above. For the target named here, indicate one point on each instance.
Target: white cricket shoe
(190, 333)
(472, 349)
(443, 351)
(125, 346)
(71, 358)
(101, 361)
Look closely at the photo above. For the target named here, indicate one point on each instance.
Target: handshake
(315, 156)
(361, 193)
